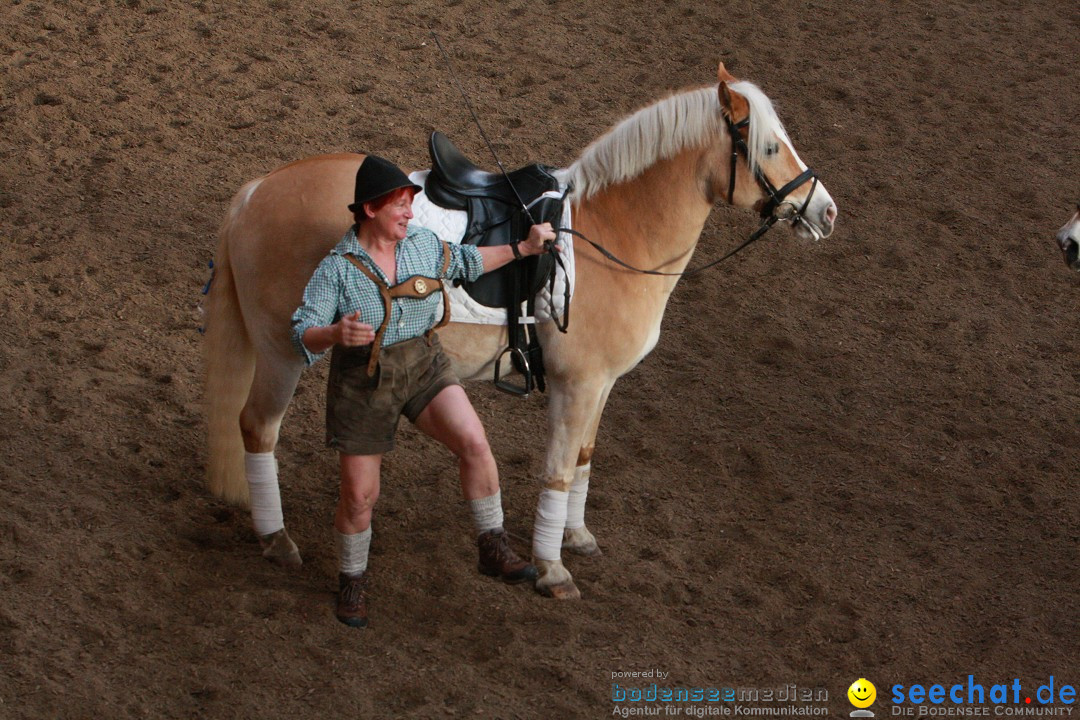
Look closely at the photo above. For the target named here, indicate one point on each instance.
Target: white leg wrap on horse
(487, 513)
(261, 472)
(353, 552)
(579, 490)
(549, 525)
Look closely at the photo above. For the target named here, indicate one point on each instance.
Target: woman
(373, 299)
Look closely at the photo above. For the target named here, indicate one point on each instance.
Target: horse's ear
(733, 104)
(725, 97)
(724, 76)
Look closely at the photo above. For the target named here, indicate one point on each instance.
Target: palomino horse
(643, 191)
(1068, 238)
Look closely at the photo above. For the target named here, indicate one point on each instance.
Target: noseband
(776, 207)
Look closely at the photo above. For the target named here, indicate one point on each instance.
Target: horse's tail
(230, 366)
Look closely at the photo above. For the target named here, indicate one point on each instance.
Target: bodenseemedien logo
(862, 694)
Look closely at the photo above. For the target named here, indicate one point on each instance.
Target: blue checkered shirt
(338, 288)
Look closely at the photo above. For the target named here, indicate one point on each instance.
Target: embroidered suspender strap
(387, 307)
(445, 295)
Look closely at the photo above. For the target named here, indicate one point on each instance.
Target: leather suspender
(418, 286)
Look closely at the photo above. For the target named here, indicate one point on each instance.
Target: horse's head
(759, 168)
(1068, 238)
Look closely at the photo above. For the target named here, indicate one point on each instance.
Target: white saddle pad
(449, 225)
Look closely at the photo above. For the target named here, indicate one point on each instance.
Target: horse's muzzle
(1072, 254)
(817, 229)
(820, 220)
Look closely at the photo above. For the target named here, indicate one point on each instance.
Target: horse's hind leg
(271, 390)
(576, 537)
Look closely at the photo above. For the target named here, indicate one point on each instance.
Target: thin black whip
(457, 84)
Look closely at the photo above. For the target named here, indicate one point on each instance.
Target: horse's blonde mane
(662, 130)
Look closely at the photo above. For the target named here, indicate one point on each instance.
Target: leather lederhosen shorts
(362, 411)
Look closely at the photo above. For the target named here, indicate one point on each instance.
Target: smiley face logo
(862, 693)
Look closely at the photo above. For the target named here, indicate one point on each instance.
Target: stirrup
(509, 387)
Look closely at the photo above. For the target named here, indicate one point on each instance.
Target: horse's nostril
(830, 213)
(1072, 253)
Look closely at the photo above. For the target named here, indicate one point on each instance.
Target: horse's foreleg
(571, 411)
(576, 538)
(271, 390)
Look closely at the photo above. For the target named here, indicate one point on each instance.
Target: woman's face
(391, 221)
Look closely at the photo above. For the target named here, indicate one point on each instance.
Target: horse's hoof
(289, 562)
(279, 549)
(587, 550)
(580, 542)
(561, 591)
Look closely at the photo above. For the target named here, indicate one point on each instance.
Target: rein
(685, 273)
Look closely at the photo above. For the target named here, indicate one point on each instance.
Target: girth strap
(418, 287)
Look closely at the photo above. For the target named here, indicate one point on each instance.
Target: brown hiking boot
(497, 559)
(352, 600)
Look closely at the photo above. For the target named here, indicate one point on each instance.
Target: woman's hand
(538, 235)
(495, 256)
(347, 332)
(350, 332)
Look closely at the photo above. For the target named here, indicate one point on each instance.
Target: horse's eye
(772, 149)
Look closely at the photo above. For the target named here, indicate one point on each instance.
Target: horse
(642, 191)
(1068, 239)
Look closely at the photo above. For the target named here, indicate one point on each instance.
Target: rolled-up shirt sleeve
(319, 307)
(465, 263)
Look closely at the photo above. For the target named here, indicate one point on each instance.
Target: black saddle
(500, 211)
(496, 217)
(454, 179)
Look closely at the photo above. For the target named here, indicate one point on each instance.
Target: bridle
(776, 206)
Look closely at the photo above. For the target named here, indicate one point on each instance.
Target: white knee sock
(549, 525)
(487, 513)
(575, 505)
(261, 471)
(353, 552)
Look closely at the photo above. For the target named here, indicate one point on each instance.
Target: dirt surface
(848, 459)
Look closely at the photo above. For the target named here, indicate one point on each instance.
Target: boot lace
(501, 552)
(354, 592)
